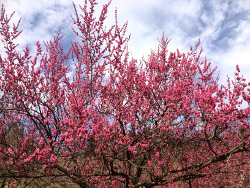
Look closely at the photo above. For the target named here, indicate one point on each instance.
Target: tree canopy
(163, 121)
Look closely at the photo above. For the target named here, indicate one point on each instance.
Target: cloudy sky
(223, 26)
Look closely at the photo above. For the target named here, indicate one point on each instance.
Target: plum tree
(162, 122)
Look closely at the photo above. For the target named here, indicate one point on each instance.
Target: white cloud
(238, 52)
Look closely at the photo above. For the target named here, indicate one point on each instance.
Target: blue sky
(223, 26)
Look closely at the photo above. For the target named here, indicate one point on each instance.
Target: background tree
(162, 122)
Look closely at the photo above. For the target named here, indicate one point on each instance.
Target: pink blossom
(44, 167)
(29, 159)
(53, 159)
(157, 155)
(149, 163)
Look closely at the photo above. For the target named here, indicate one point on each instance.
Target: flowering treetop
(162, 122)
